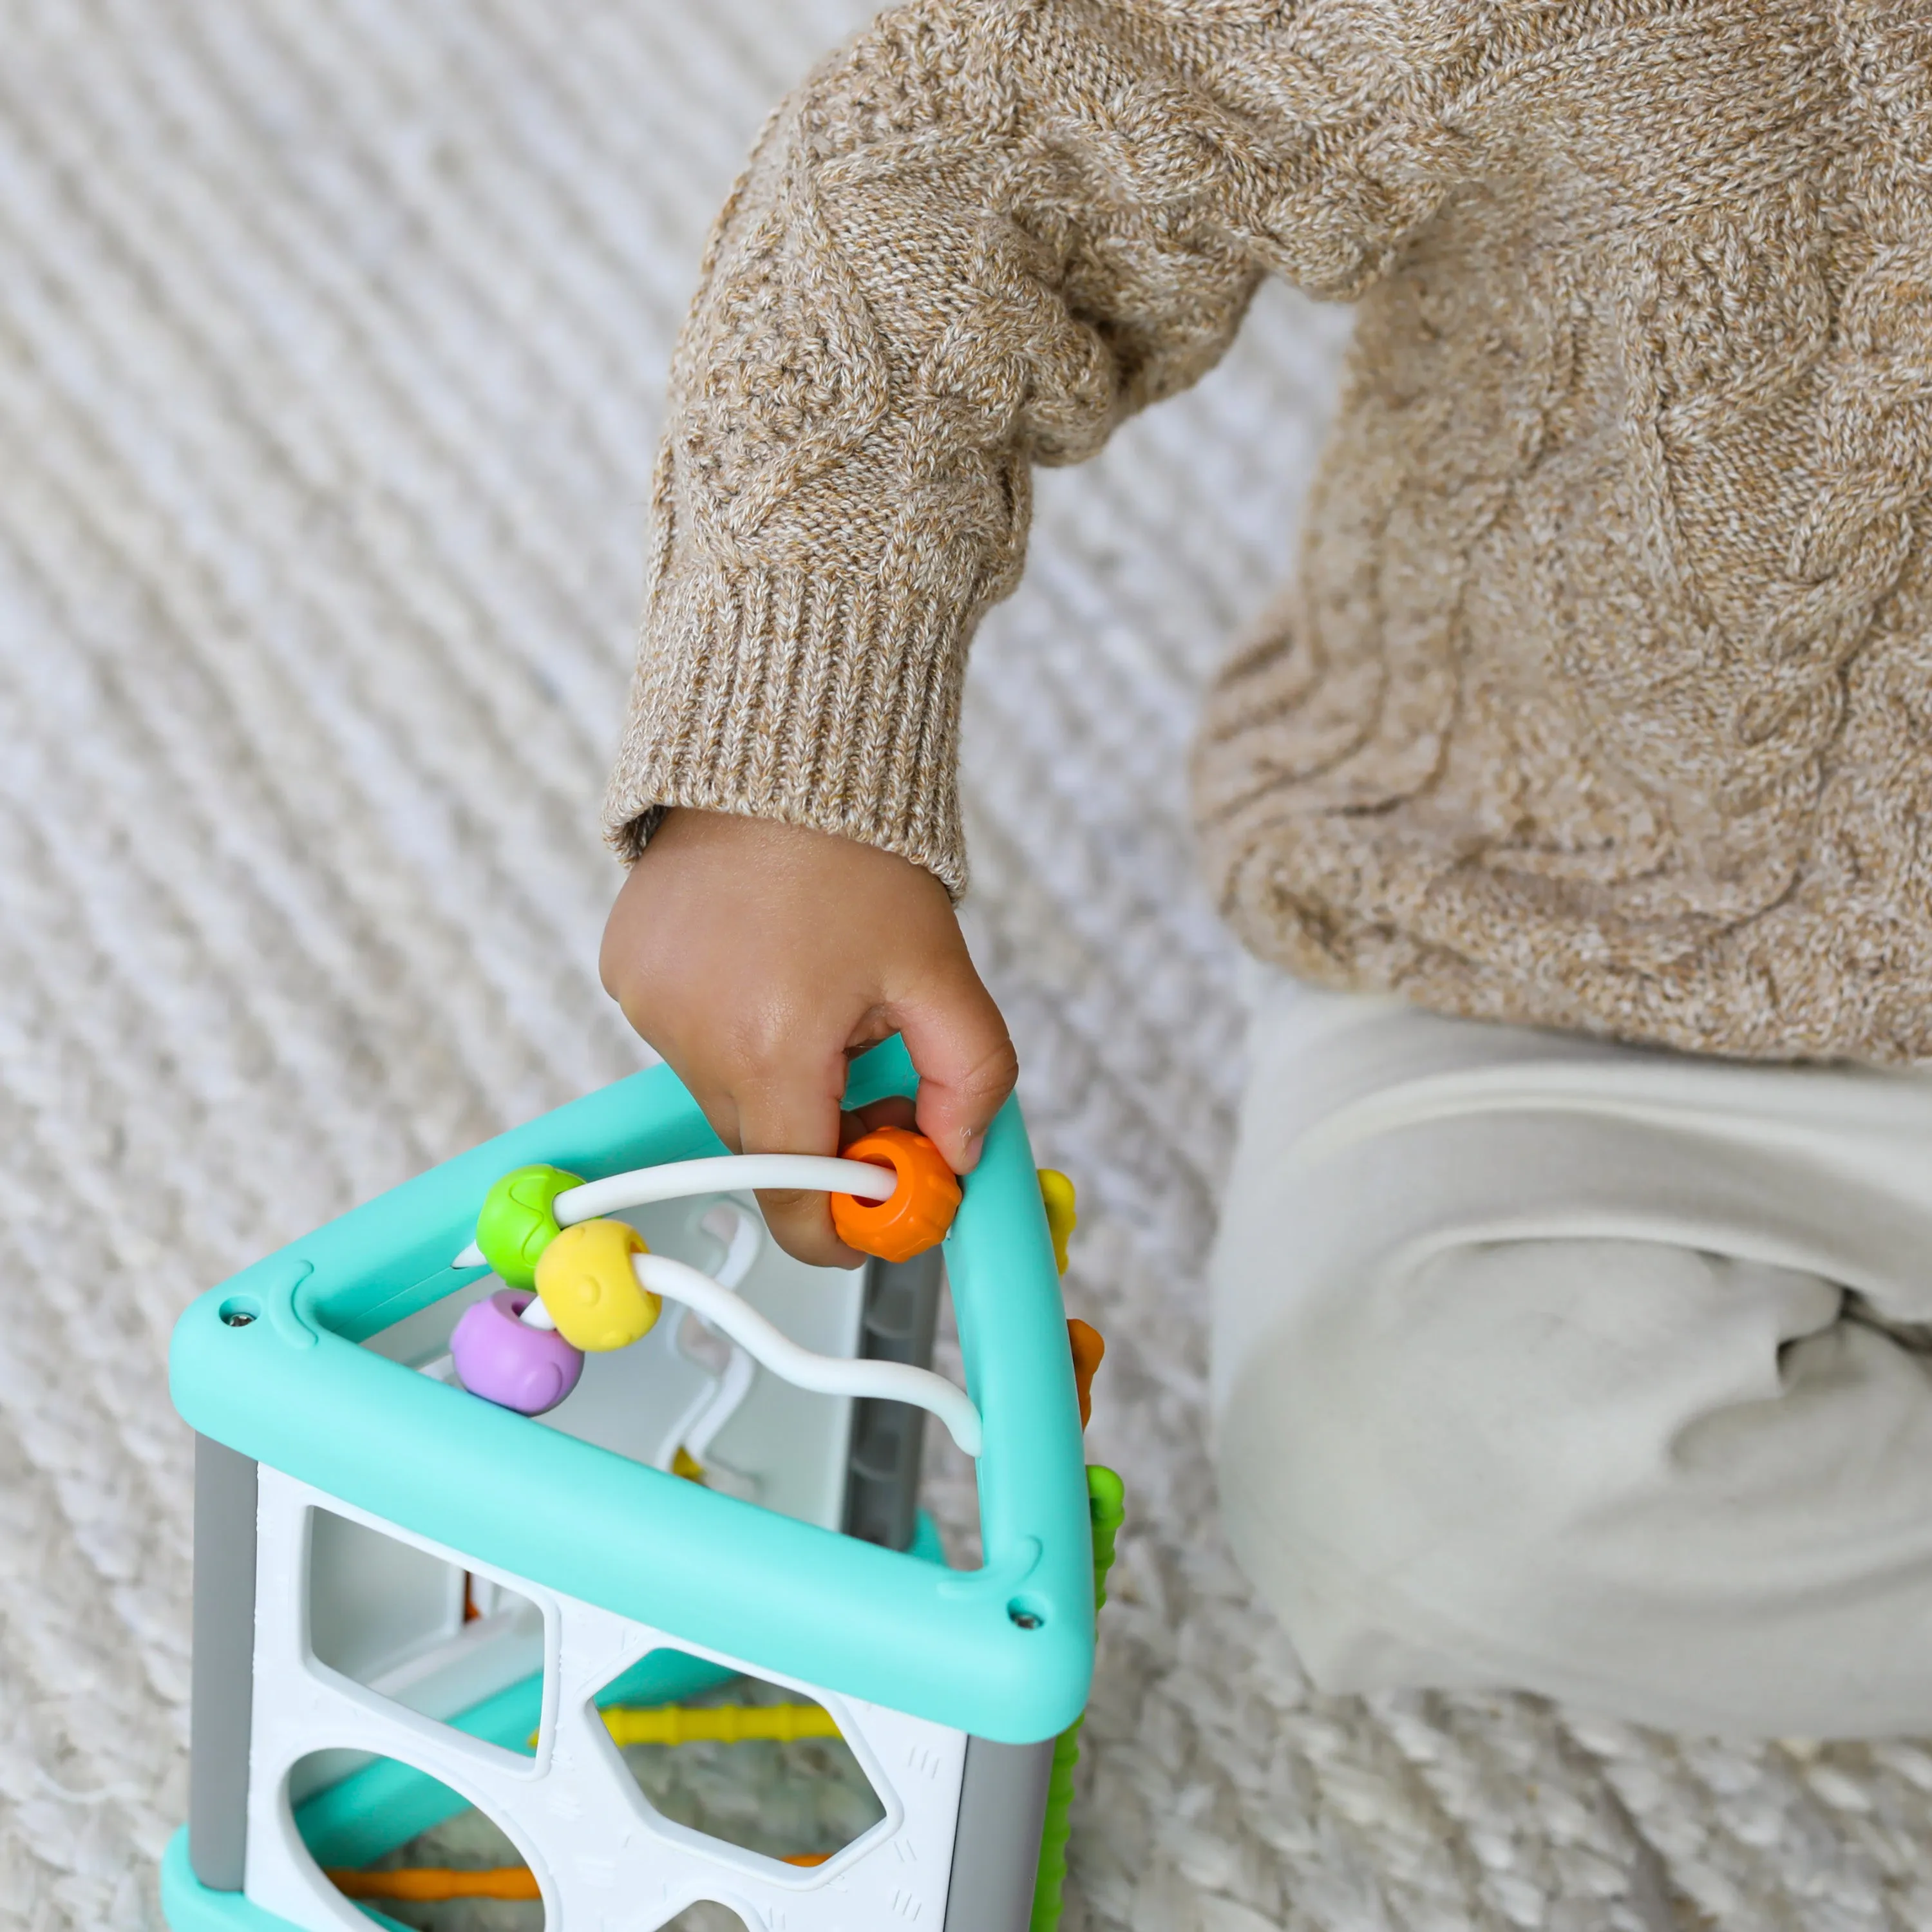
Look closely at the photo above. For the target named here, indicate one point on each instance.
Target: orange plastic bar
(430, 1883)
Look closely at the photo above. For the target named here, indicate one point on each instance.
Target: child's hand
(757, 958)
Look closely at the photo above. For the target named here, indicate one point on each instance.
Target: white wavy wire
(331, 338)
(712, 1297)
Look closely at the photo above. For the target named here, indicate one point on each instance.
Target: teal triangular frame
(1005, 1651)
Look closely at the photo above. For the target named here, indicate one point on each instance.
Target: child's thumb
(966, 1065)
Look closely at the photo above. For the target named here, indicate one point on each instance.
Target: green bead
(519, 1221)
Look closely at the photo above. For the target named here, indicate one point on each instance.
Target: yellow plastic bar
(724, 1723)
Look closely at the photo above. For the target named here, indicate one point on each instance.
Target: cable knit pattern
(975, 240)
(331, 339)
(1601, 700)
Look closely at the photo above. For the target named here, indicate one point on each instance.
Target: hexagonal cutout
(402, 1844)
(757, 1764)
(436, 1639)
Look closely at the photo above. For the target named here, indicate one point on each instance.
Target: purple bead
(508, 1362)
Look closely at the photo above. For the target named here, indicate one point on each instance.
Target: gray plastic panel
(222, 1701)
(882, 1477)
(996, 1848)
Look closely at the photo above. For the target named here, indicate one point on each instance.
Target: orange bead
(916, 1214)
(1088, 1347)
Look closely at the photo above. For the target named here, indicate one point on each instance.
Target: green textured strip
(1052, 1876)
(1106, 1504)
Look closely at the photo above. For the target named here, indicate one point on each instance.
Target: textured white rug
(330, 337)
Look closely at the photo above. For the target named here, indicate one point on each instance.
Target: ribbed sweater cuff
(826, 700)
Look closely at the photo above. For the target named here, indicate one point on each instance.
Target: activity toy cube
(462, 1534)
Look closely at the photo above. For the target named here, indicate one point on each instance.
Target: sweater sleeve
(975, 239)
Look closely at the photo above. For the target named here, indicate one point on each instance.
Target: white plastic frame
(603, 1858)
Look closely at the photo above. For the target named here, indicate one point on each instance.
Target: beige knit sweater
(1604, 698)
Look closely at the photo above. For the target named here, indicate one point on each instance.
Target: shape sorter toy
(551, 1452)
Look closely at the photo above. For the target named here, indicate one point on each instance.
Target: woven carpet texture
(331, 338)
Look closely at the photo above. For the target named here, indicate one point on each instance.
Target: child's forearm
(974, 239)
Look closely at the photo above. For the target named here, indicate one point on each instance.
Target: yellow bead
(586, 1282)
(1056, 1195)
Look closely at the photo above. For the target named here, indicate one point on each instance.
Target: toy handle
(721, 1173)
(716, 1174)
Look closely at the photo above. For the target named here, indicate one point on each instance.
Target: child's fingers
(794, 1109)
(895, 1110)
(801, 1224)
(966, 1065)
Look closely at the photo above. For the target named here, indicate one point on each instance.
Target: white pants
(1555, 1364)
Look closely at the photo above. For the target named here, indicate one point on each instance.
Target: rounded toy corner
(1052, 1690)
(189, 1905)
